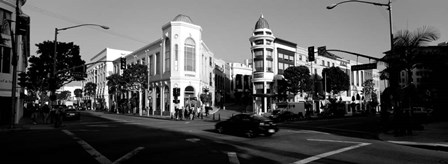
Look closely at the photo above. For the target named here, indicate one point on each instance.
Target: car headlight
(262, 124)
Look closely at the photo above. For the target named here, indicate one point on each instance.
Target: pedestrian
(59, 113)
(34, 114)
(46, 112)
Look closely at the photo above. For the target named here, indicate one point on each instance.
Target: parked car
(248, 124)
(283, 115)
(72, 114)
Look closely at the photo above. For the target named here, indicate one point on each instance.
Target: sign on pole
(364, 66)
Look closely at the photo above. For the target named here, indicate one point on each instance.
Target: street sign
(364, 66)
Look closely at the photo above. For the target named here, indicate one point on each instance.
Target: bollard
(219, 117)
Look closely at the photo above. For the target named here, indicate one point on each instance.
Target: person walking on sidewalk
(35, 113)
(46, 113)
(59, 113)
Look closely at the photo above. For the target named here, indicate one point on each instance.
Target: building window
(5, 63)
(269, 66)
(269, 53)
(258, 52)
(167, 54)
(190, 53)
(268, 33)
(323, 63)
(259, 88)
(158, 64)
(268, 42)
(258, 33)
(211, 61)
(4, 17)
(300, 57)
(176, 48)
(259, 42)
(259, 66)
(151, 65)
(211, 80)
(143, 61)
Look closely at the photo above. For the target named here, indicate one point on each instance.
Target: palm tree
(405, 52)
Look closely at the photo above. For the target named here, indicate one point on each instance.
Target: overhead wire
(74, 21)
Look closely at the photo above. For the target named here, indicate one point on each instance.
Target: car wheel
(220, 129)
(250, 134)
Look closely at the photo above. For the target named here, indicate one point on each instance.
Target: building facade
(179, 59)
(99, 68)
(272, 55)
(12, 43)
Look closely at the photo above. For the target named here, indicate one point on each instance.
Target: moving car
(248, 124)
(72, 114)
(280, 116)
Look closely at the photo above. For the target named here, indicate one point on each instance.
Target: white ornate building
(97, 72)
(178, 59)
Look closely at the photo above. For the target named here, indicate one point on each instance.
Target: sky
(228, 24)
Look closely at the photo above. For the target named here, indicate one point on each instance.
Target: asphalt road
(110, 138)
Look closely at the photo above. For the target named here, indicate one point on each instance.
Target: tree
(38, 74)
(336, 80)
(78, 94)
(298, 79)
(116, 85)
(64, 95)
(136, 74)
(90, 90)
(368, 87)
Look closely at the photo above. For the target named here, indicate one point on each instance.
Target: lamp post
(53, 77)
(388, 5)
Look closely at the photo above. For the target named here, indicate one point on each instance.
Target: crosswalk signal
(311, 53)
(123, 63)
(321, 50)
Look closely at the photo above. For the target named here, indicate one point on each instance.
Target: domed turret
(183, 18)
(261, 23)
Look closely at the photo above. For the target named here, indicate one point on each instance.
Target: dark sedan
(280, 116)
(247, 124)
(72, 114)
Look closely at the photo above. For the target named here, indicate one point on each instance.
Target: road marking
(94, 153)
(194, 140)
(97, 155)
(233, 158)
(307, 131)
(129, 155)
(323, 155)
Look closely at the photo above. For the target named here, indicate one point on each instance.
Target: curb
(431, 146)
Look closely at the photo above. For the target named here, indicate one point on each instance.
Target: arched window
(190, 53)
(167, 54)
(189, 92)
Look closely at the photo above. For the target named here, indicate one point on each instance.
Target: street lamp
(53, 78)
(388, 5)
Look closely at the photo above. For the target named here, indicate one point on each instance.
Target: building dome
(262, 23)
(183, 18)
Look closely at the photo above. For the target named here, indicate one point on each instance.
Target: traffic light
(22, 79)
(311, 53)
(321, 50)
(176, 92)
(123, 63)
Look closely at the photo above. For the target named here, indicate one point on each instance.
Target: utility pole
(14, 40)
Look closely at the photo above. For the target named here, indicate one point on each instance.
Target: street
(111, 138)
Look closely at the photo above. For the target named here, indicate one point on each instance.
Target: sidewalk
(434, 136)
